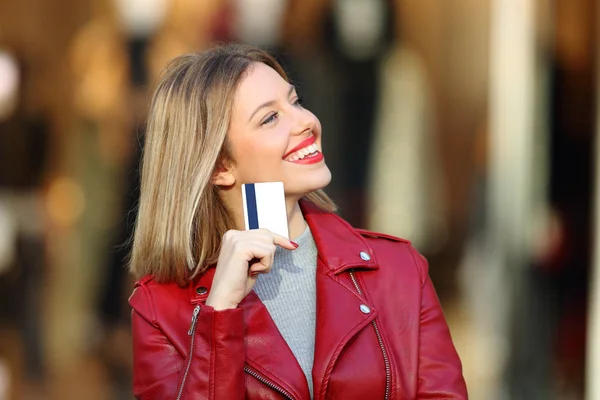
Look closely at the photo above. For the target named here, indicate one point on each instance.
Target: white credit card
(264, 207)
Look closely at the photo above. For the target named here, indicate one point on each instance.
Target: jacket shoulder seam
(379, 235)
(142, 281)
(419, 264)
(147, 293)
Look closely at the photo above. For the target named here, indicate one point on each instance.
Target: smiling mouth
(306, 152)
(306, 148)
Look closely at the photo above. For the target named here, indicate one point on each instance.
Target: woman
(224, 313)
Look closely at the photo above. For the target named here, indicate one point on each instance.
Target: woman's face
(273, 138)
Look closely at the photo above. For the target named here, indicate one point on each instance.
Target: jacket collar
(339, 245)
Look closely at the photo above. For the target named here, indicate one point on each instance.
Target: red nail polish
(294, 244)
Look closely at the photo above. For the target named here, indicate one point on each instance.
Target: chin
(325, 180)
(316, 182)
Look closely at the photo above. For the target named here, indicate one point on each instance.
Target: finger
(252, 279)
(283, 242)
(260, 249)
(257, 269)
(262, 234)
(263, 264)
(262, 254)
(270, 236)
(260, 265)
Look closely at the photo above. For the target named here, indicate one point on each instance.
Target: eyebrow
(269, 103)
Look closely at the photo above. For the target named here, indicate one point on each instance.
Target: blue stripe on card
(251, 206)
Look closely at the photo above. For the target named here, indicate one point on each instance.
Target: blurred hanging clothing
(24, 134)
(258, 22)
(405, 183)
(336, 49)
(361, 33)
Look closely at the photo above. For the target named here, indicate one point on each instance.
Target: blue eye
(299, 101)
(270, 120)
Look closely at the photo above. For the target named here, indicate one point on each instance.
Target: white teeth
(300, 154)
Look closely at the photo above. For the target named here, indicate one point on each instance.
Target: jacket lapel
(267, 353)
(339, 313)
(339, 318)
(340, 246)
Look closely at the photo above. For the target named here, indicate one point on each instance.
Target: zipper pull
(194, 318)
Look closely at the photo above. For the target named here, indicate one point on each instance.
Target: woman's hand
(244, 255)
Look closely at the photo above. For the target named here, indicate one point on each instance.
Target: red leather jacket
(380, 331)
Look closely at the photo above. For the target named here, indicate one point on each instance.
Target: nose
(304, 123)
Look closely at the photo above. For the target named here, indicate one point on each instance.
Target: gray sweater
(289, 293)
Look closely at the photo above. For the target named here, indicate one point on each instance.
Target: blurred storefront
(466, 126)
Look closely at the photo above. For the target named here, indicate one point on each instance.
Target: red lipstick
(310, 159)
(306, 142)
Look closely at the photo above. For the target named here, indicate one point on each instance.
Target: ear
(223, 175)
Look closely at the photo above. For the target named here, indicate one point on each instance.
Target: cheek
(271, 143)
(267, 147)
(264, 152)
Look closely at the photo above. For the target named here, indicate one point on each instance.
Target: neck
(296, 222)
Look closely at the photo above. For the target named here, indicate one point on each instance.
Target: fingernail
(294, 244)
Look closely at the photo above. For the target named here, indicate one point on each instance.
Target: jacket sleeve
(213, 370)
(440, 369)
(156, 363)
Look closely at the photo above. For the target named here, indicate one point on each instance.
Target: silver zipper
(191, 333)
(269, 383)
(355, 283)
(388, 374)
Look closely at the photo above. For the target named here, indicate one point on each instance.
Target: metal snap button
(201, 290)
(365, 256)
(365, 309)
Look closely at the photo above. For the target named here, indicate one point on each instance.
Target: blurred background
(466, 126)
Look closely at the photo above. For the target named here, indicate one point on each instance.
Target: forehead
(260, 84)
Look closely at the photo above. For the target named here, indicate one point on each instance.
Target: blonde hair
(181, 218)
